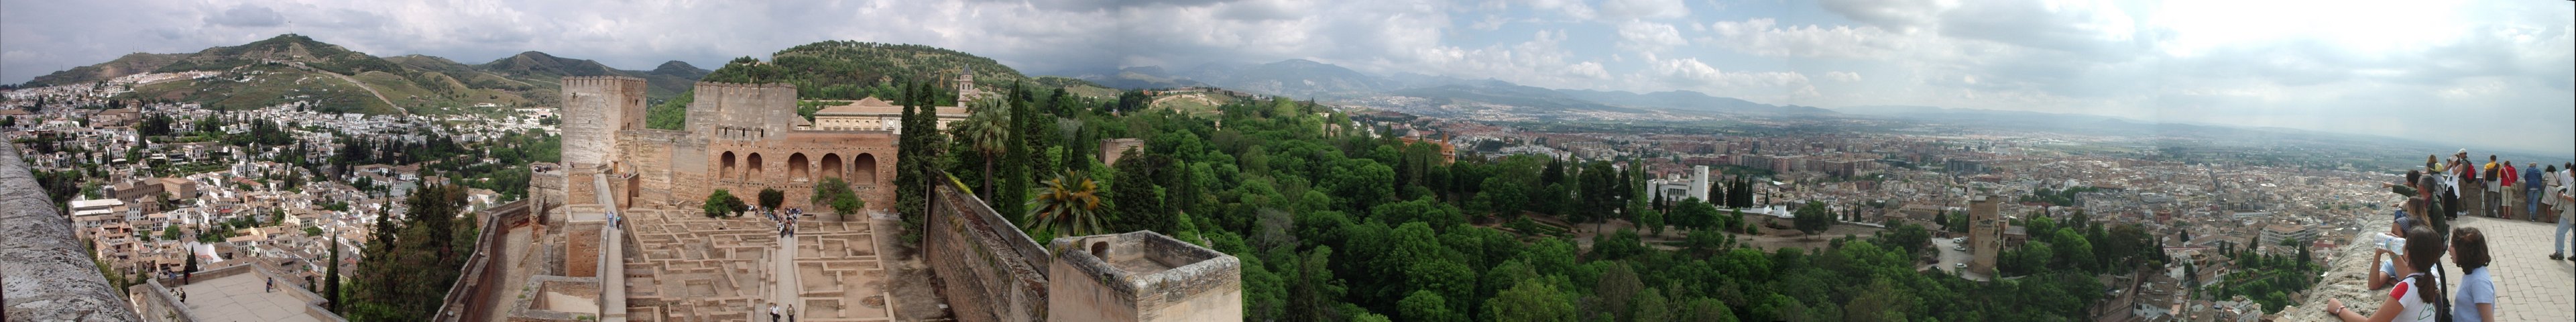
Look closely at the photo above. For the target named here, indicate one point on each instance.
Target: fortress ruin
(614, 232)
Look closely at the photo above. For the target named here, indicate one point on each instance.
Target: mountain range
(1316, 80)
(290, 68)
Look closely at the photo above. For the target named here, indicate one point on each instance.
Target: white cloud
(1541, 61)
(1691, 74)
(1905, 16)
(1644, 9)
(1637, 35)
(1843, 76)
(1570, 8)
(1763, 36)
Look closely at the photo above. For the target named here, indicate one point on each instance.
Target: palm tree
(988, 131)
(1070, 203)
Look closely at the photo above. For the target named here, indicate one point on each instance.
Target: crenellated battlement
(598, 81)
(722, 85)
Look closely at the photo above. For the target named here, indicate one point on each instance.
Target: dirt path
(371, 90)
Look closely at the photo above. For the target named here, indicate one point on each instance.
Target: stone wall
(668, 167)
(44, 274)
(473, 297)
(864, 158)
(988, 270)
(728, 111)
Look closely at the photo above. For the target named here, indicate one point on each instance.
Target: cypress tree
(331, 277)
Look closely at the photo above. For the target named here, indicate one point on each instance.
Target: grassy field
(1197, 104)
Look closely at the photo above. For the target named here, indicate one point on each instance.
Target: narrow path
(788, 289)
(612, 256)
(371, 90)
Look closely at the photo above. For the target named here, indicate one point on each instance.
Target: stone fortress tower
(597, 110)
(1986, 227)
(1141, 276)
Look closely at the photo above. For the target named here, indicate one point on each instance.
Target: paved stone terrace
(2530, 287)
(245, 297)
(686, 267)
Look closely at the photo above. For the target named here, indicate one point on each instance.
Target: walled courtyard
(687, 267)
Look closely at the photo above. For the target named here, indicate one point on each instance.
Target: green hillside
(538, 67)
(847, 69)
(251, 87)
(291, 68)
(135, 63)
(288, 48)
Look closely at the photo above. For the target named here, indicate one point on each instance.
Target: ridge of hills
(294, 68)
(1310, 79)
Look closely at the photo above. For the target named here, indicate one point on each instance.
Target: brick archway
(864, 169)
(799, 168)
(727, 170)
(832, 167)
(754, 172)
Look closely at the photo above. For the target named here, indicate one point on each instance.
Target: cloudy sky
(2444, 71)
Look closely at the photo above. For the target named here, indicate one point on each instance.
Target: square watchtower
(1141, 276)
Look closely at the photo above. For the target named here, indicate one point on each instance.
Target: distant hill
(135, 63)
(852, 69)
(681, 69)
(1140, 77)
(1505, 93)
(1316, 80)
(1690, 101)
(292, 68)
(289, 48)
(662, 83)
(1293, 78)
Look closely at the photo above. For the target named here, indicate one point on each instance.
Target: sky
(2494, 73)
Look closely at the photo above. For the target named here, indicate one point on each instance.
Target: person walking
(2419, 296)
(2477, 291)
(773, 312)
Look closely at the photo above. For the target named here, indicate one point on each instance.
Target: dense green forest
(1334, 225)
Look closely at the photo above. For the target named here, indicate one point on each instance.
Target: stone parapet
(44, 274)
(989, 270)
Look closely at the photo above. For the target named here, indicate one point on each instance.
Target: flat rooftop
(244, 297)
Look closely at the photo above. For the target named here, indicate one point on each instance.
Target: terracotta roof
(874, 106)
